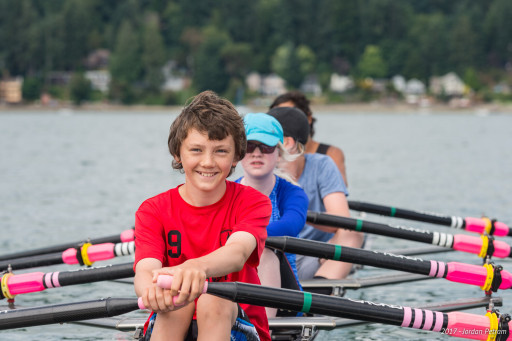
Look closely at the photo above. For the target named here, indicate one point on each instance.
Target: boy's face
(206, 163)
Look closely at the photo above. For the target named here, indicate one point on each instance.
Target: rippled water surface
(67, 176)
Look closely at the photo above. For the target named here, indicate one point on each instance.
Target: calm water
(68, 176)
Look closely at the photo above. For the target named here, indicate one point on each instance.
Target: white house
(100, 79)
(399, 83)
(414, 87)
(449, 84)
(311, 85)
(340, 83)
(269, 85)
(173, 81)
(253, 81)
(273, 85)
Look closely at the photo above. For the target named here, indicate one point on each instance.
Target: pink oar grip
(165, 282)
(141, 303)
(128, 235)
(469, 326)
(472, 244)
(25, 283)
(95, 253)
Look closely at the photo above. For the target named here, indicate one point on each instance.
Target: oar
(85, 255)
(285, 324)
(487, 277)
(124, 237)
(13, 285)
(455, 323)
(478, 225)
(482, 246)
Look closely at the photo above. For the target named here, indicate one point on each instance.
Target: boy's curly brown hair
(210, 114)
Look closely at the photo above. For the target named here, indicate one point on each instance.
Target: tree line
(217, 43)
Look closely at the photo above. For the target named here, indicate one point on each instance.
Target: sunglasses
(251, 147)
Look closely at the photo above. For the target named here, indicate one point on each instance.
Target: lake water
(67, 176)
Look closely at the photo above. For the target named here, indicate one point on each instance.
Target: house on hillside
(311, 85)
(97, 60)
(399, 83)
(449, 84)
(340, 83)
(269, 85)
(174, 79)
(10, 90)
(100, 80)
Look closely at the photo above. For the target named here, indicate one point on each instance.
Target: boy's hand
(158, 300)
(188, 281)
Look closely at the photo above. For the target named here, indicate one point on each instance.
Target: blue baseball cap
(263, 128)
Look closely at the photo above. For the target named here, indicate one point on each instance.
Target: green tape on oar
(337, 252)
(359, 225)
(393, 211)
(307, 302)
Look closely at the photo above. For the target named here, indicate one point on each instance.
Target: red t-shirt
(171, 230)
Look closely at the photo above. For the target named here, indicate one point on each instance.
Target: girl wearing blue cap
(289, 202)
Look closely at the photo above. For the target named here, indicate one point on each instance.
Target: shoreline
(373, 107)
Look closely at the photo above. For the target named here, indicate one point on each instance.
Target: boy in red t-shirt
(207, 227)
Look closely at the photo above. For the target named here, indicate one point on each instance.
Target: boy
(205, 228)
(319, 177)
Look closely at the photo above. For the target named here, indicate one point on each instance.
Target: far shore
(398, 107)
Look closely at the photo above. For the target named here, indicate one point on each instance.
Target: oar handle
(165, 282)
(127, 235)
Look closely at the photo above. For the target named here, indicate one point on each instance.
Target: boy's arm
(189, 276)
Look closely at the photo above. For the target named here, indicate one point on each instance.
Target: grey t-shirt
(319, 178)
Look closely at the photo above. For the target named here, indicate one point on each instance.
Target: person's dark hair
(212, 115)
(300, 102)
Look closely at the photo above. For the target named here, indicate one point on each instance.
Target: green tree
(371, 63)
(293, 64)
(209, 66)
(31, 89)
(80, 88)
(427, 47)
(125, 62)
(498, 30)
(153, 53)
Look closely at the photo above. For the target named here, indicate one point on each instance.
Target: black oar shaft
(350, 255)
(400, 213)
(32, 261)
(88, 275)
(308, 302)
(10, 319)
(371, 227)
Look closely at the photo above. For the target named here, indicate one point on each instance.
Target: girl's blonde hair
(286, 156)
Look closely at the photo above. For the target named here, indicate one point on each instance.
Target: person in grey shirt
(326, 191)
